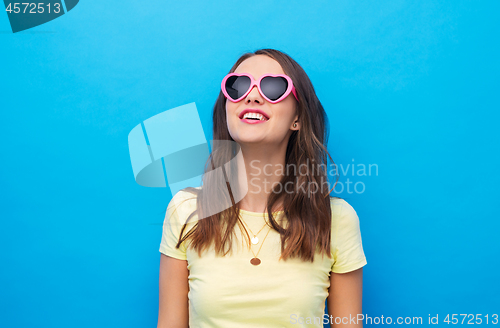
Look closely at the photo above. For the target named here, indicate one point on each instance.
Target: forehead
(259, 65)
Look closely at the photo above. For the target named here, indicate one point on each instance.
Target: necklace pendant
(255, 240)
(255, 261)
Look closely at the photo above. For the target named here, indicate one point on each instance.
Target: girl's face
(282, 115)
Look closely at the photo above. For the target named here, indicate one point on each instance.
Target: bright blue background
(411, 86)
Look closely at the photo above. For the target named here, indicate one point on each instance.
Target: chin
(249, 140)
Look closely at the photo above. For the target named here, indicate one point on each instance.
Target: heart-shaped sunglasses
(273, 87)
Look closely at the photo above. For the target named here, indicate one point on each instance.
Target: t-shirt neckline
(259, 214)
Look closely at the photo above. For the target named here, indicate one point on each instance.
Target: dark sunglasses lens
(274, 87)
(236, 86)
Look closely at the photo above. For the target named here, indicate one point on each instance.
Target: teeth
(254, 115)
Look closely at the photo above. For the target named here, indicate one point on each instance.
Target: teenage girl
(271, 257)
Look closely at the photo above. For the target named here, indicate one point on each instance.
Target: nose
(254, 96)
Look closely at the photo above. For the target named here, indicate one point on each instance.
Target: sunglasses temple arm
(295, 93)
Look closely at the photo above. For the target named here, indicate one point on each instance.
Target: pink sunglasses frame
(253, 82)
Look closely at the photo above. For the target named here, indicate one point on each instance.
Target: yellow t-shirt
(230, 292)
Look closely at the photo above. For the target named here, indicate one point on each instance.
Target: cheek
(230, 109)
(230, 115)
(285, 114)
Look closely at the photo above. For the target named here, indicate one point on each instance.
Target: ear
(296, 124)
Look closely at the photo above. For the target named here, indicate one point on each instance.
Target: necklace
(256, 260)
(255, 239)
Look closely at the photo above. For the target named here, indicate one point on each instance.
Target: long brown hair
(308, 214)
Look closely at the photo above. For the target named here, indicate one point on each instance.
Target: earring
(294, 125)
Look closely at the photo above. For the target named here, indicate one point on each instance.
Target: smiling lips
(253, 116)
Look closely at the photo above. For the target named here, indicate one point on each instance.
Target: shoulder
(181, 197)
(181, 206)
(339, 205)
(343, 214)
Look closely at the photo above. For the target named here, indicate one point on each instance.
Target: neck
(264, 166)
